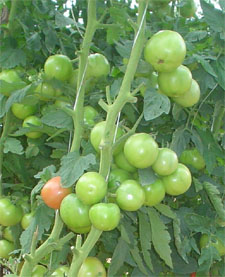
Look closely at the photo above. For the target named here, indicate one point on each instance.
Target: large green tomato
(175, 83)
(105, 216)
(22, 111)
(39, 271)
(10, 213)
(26, 220)
(97, 134)
(45, 92)
(5, 248)
(10, 76)
(178, 182)
(91, 188)
(216, 242)
(92, 267)
(165, 50)
(193, 157)
(90, 115)
(154, 193)
(58, 67)
(123, 163)
(7, 234)
(116, 177)
(130, 195)
(62, 271)
(98, 66)
(166, 162)
(190, 97)
(188, 8)
(75, 214)
(28, 122)
(141, 150)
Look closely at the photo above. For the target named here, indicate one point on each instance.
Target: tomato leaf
(147, 176)
(2, 105)
(13, 145)
(58, 119)
(165, 210)
(208, 256)
(73, 166)
(180, 140)
(138, 259)
(198, 223)
(155, 104)
(160, 237)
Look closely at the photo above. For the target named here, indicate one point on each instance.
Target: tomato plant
(7, 234)
(39, 271)
(53, 193)
(92, 266)
(188, 8)
(10, 213)
(154, 193)
(90, 115)
(22, 111)
(206, 241)
(32, 121)
(192, 157)
(116, 177)
(11, 76)
(26, 220)
(62, 271)
(6, 248)
(97, 66)
(123, 163)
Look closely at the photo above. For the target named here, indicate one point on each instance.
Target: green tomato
(35, 121)
(61, 271)
(26, 220)
(166, 162)
(10, 213)
(154, 193)
(116, 177)
(188, 8)
(141, 150)
(97, 134)
(193, 157)
(6, 248)
(105, 216)
(130, 196)
(123, 163)
(58, 67)
(98, 66)
(62, 103)
(92, 267)
(39, 271)
(22, 111)
(75, 214)
(205, 241)
(45, 92)
(190, 97)
(175, 83)
(7, 234)
(165, 51)
(89, 116)
(178, 182)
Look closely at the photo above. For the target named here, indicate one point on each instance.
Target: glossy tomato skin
(166, 162)
(98, 66)
(39, 271)
(141, 150)
(58, 67)
(10, 213)
(91, 188)
(190, 97)
(217, 243)
(26, 220)
(175, 83)
(90, 114)
(116, 177)
(154, 193)
(22, 111)
(45, 92)
(7, 234)
(28, 122)
(188, 8)
(92, 267)
(62, 271)
(130, 196)
(123, 163)
(193, 157)
(104, 216)
(178, 182)
(75, 214)
(170, 53)
(53, 193)
(5, 248)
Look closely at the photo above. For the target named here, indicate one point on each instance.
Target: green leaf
(137, 257)
(147, 176)
(27, 235)
(206, 65)
(62, 21)
(178, 242)
(50, 39)
(58, 119)
(113, 34)
(12, 57)
(13, 145)
(155, 104)
(124, 48)
(208, 256)
(198, 223)
(160, 237)
(196, 36)
(166, 211)
(219, 67)
(145, 238)
(180, 139)
(119, 256)
(198, 184)
(34, 42)
(216, 201)
(73, 166)
(3, 100)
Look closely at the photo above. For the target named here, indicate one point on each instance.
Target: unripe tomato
(165, 50)
(58, 67)
(90, 114)
(53, 193)
(141, 150)
(178, 182)
(5, 248)
(92, 267)
(39, 271)
(188, 8)
(62, 271)
(26, 220)
(154, 193)
(123, 163)
(62, 103)
(193, 157)
(35, 121)
(10, 213)
(175, 83)
(91, 188)
(75, 214)
(116, 177)
(98, 66)
(104, 216)
(45, 92)
(190, 97)
(216, 242)
(7, 234)
(166, 162)
(22, 111)
(11, 76)
(130, 195)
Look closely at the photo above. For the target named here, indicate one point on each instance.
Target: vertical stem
(12, 15)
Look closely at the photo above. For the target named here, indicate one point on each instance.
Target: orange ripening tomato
(53, 193)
